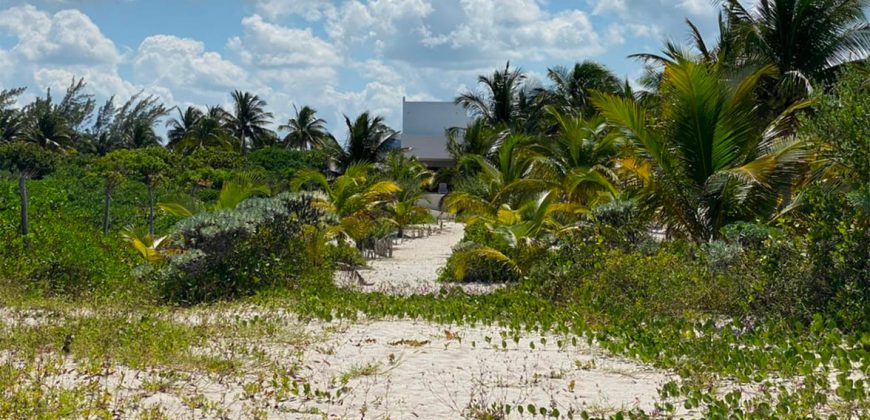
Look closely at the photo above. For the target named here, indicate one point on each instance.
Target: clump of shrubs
(234, 252)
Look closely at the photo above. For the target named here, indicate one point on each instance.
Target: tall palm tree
(714, 157)
(803, 39)
(249, 119)
(369, 140)
(305, 130)
(571, 89)
(498, 97)
(181, 126)
(209, 131)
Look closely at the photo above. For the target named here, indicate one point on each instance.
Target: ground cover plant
(713, 224)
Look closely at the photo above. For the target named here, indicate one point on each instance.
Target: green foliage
(26, 159)
(234, 252)
(839, 129)
(282, 164)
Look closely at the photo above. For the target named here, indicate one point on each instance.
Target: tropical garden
(711, 218)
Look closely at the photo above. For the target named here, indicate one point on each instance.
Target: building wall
(423, 129)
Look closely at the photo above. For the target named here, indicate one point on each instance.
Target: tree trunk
(242, 142)
(106, 203)
(151, 210)
(22, 193)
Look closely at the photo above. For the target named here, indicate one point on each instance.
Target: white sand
(414, 267)
(416, 370)
(393, 369)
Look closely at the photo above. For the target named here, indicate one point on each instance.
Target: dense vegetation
(715, 222)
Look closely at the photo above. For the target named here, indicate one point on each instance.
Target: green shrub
(229, 253)
(281, 164)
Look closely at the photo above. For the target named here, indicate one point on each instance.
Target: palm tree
(517, 237)
(803, 39)
(355, 197)
(578, 159)
(502, 180)
(498, 97)
(248, 119)
(412, 177)
(46, 127)
(369, 140)
(306, 130)
(571, 89)
(478, 138)
(207, 132)
(714, 158)
(181, 126)
(233, 192)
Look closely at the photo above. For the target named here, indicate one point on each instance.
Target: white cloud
(184, 64)
(271, 45)
(67, 37)
(311, 10)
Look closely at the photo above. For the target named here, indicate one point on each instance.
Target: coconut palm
(412, 177)
(505, 179)
(478, 138)
(571, 89)
(369, 140)
(248, 120)
(181, 126)
(355, 197)
(305, 130)
(207, 132)
(803, 39)
(714, 158)
(498, 97)
(578, 158)
(518, 237)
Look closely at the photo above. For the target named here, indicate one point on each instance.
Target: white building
(424, 126)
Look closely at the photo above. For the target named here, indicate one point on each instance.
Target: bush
(67, 258)
(234, 252)
(282, 164)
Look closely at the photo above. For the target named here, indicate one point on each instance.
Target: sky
(341, 57)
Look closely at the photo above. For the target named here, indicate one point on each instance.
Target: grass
(237, 340)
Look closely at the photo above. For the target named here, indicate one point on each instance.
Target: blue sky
(342, 57)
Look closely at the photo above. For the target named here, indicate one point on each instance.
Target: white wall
(424, 125)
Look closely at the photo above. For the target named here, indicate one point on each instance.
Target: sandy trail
(379, 369)
(415, 266)
(397, 369)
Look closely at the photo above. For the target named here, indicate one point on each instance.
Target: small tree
(113, 168)
(25, 161)
(149, 165)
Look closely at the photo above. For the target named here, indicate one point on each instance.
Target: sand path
(414, 267)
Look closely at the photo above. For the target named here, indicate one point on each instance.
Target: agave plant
(713, 158)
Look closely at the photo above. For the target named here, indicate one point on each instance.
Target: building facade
(424, 130)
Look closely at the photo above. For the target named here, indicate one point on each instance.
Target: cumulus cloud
(271, 45)
(311, 10)
(184, 66)
(67, 37)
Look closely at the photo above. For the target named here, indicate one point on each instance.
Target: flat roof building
(424, 127)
